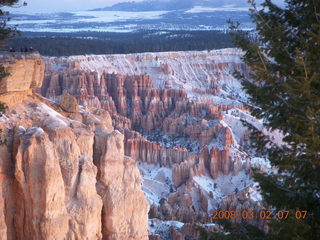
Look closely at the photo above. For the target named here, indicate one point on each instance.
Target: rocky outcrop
(175, 234)
(63, 173)
(184, 171)
(161, 126)
(69, 103)
(56, 197)
(52, 177)
(143, 150)
(56, 180)
(26, 71)
(195, 69)
(215, 161)
(13, 98)
(119, 185)
(75, 176)
(245, 201)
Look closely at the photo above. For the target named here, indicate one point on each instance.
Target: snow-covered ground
(161, 228)
(197, 18)
(223, 186)
(89, 17)
(114, 16)
(200, 9)
(157, 182)
(51, 119)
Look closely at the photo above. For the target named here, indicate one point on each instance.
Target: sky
(65, 5)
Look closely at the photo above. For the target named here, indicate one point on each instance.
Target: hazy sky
(64, 5)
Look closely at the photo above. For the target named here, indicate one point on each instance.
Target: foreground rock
(63, 173)
(125, 206)
(61, 179)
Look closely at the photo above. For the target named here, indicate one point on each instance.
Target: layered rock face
(55, 194)
(25, 71)
(147, 151)
(63, 174)
(125, 206)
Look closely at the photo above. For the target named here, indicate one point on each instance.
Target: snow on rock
(189, 70)
(38, 112)
(234, 117)
(161, 228)
(53, 120)
(276, 136)
(157, 181)
(223, 186)
(35, 131)
(262, 164)
(254, 193)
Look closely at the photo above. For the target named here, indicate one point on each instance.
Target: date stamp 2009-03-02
(263, 214)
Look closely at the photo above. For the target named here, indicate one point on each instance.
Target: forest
(81, 43)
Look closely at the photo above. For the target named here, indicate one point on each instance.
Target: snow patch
(157, 182)
(201, 9)
(260, 162)
(161, 228)
(115, 16)
(54, 120)
(223, 186)
(35, 131)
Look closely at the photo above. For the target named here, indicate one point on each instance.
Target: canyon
(132, 146)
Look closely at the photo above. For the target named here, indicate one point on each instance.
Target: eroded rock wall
(25, 71)
(125, 205)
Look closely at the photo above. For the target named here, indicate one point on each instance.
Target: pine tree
(284, 91)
